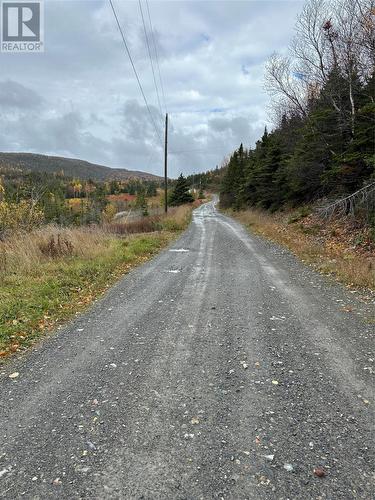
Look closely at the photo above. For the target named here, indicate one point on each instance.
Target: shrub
(61, 247)
(24, 215)
(109, 212)
(142, 225)
(301, 214)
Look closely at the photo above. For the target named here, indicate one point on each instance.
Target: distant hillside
(70, 167)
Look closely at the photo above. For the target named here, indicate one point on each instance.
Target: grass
(49, 275)
(328, 255)
(176, 219)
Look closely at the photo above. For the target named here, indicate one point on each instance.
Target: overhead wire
(156, 57)
(188, 151)
(149, 55)
(135, 71)
(153, 72)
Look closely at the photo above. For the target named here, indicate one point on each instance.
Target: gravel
(240, 376)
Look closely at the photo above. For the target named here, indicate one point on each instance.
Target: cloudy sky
(80, 98)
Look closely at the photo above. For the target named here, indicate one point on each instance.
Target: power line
(135, 71)
(149, 55)
(188, 151)
(156, 57)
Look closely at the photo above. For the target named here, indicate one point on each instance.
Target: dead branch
(347, 205)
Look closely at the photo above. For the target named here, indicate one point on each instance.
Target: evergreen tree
(231, 193)
(151, 189)
(180, 194)
(141, 203)
(329, 151)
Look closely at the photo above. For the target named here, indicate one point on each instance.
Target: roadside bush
(24, 215)
(142, 225)
(59, 247)
(109, 212)
(25, 251)
(301, 214)
(176, 219)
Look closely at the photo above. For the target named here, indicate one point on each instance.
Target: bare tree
(309, 46)
(364, 197)
(354, 46)
(333, 39)
(285, 85)
(365, 36)
(292, 80)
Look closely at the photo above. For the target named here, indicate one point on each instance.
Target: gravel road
(223, 368)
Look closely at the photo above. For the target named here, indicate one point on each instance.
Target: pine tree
(181, 194)
(326, 151)
(231, 194)
(141, 203)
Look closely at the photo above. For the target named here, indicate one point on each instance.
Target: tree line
(323, 101)
(28, 199)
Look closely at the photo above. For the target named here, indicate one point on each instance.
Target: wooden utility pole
(166, 165)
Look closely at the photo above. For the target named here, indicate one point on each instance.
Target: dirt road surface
(223, 368)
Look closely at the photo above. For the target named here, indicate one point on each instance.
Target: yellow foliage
(2, 189)
(109, 212)
(23, 215)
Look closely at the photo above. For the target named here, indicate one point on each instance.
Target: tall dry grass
(49, 274)
(176, 219)
(23, 252)
(327, 255)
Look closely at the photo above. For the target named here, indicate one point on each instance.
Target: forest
(322, 96)
(31, 198)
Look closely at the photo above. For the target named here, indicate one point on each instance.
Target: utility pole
(166, 165)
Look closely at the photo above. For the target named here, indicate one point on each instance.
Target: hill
(70, 167)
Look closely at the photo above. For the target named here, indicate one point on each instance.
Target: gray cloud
(139, 123)
(15, 95)
(80, 97)
(238, 126)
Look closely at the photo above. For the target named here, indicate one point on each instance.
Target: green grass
(33, 302)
